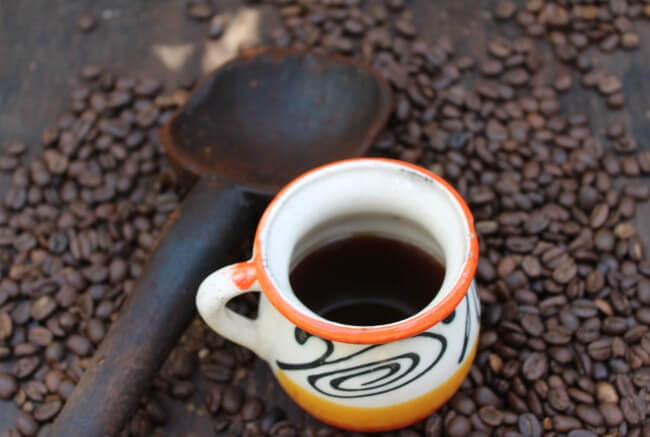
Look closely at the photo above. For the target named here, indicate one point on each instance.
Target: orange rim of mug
(247, 272)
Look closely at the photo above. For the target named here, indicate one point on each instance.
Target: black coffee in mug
(367, 279)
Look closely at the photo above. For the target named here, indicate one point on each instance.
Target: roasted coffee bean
(43, 307)
(26, 424)
(565, 423)
(224, 357)
(8, 385)
(216, 372)
(182, 389)
(458, 426)
(47, 411)
(557, 336)
(594, 282)
(40, 336)
(14, 147)
(95, 273)
(616, 100)
(6, 326)
(213, 398)
(156, 413)
(606, 392)
(54, 352)
(24, 367)
(21, 314)
(117, 270)
(79, 345)
(433, 426)
(535, 366)
(283, 429)
(505, 9)
(183, 365)
(65, 389)
(463, 404)
(532, 324)
(35, 390)
(529, 425)
(53, 379)
(95, 331)
(563, 82)
(252, 409)
(86, 22)
(199, 10)
(599, 215)
(233, 399)
(25, 349)
(485, 396)
(565, 272)
(104, 310)
(558, 398)
(55, 162)
(612, 414)
(632, 411)
(8, 163)
(491, 416)
(609, 84)
(589, 415)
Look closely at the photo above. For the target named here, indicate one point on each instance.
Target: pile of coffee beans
(574, 29)
(76, 226)
(563, 276)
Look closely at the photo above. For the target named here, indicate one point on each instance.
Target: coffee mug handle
(216, 291)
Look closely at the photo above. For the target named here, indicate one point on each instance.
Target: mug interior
(380, 196)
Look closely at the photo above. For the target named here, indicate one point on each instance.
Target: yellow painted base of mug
(382, 418)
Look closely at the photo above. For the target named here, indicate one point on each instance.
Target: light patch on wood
(173, 55)
(241, 32)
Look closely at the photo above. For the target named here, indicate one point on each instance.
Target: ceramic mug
(365, 378)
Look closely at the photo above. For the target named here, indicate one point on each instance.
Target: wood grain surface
(41, 51)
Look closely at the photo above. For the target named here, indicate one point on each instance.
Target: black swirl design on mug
(385, 375)
(450, 318)
(367, 379)
(468, 326)
(473, 297)
(477, 304)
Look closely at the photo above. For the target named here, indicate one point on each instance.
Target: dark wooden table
(41, 51)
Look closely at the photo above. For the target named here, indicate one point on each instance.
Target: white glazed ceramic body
(367, 378)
